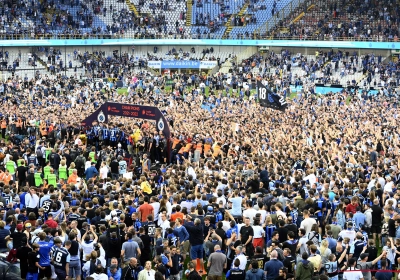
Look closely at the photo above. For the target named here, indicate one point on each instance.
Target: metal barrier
(258, 35)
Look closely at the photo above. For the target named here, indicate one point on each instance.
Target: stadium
(173, 140)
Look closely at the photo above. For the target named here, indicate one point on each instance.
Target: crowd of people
(341, 20)
(241, 191)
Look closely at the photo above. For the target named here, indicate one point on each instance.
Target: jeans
(175, 277)
(74, 268)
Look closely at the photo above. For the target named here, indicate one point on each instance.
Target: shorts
(196, 252)
(258, 242)
(214, 277)
(376, 229)
(46, 272)
(74, 268)
(32, 276)
(185, 247)
(61, 274)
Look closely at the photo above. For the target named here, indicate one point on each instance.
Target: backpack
(51, 136)
(80, 162)
(73, 154)
(314, 238)
(39, 152)
(93, 266)
(51, 158)
(12, 256)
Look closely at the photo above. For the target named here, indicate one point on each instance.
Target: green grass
(252, 92)
(122, 91)
(207, 91)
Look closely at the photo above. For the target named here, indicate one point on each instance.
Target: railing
(255, 36)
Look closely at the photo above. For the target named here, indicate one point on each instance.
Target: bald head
(274, 255)
(217, 247)
(133, 261)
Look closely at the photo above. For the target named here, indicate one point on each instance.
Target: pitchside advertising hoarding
(202, 42)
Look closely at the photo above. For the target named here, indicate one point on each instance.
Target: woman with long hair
(63, 235)
(325, 252)
(340, 216)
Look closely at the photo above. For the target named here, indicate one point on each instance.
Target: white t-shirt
(303, 244)
(156, 207)
(251, 213)
(104, 172)
(258, 231)
(236, 206)
(263, 215)
(221, 199)
(88, 164)
(87, 248)
(307, 224)
(352, 275)
(311, 178)
(226, 225)
(101, 276)
(388, 187)
(351, 234)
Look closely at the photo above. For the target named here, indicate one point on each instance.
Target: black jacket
(193, 275)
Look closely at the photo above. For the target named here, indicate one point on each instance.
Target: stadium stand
(354, 20)
(231, 19)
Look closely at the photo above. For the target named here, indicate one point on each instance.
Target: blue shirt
(90, 172)
(182, 233)
(383, 275)
(272, 268)
(116, 275)
(359, 219)
(44, 252)
(230, 230)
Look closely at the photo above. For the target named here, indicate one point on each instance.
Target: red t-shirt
(145, 210)
(176, 216)
(351, 208)
(51, 224)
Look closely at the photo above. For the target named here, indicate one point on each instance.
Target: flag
(270, 99)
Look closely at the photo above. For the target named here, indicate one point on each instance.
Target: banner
(208, 64)
(129, 110)
(181, 64)
(154, 64)
(270, 99)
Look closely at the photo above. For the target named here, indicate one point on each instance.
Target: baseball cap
(20, 227)
(119, 145)
(363, 256)
(210, 208)
(115, 204)
(28, 225)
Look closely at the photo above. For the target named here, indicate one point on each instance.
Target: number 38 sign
(270, 99)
